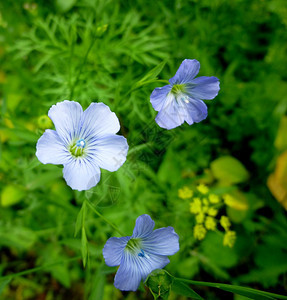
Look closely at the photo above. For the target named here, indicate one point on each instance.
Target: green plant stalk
(103, 218)
(81, 68)
(229, 286)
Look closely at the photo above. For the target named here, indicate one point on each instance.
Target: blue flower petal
(163, 241)
(134, 268)
(128, 276)
(158, 96)
(109, 152)
(113, 250)
(82, 173)
(51, 150)
(196, 111)
(172, 114)
(203, 87)
(144, 226)
(98, 120)
(66, 117)
(188, 69)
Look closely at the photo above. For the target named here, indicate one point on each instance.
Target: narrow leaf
(3, 283)
(152, 74)
(183, 289)
(243, 291)
(84, 247)
(80, 219)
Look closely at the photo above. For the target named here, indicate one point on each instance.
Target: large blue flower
(84, 142)
(141, 253)
(181, 100)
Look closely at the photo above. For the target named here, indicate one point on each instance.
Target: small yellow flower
(199, 232)
(214, 198)
(205, 209)
(185, 193)
(205, 201)
(225, 223)
(212, 212)
(229, 238)
(195, 206)
(202, 188)
(200, 218)
(210, 223)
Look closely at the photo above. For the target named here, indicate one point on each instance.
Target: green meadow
(220, 183)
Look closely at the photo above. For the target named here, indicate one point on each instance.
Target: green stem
(102, 217)
(41, 268)
(81, 68)
(231, 288)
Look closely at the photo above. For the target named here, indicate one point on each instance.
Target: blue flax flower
(84, 142)
(141, 253)
(181, 100)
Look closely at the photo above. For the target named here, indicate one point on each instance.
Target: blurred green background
(115, 52)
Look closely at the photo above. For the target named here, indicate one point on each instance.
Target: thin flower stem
(81, 68)
(102, 217)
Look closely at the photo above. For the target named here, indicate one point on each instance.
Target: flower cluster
(85, 141)
(205, 206)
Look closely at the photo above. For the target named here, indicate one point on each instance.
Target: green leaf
(44, 179)
(243, 291)
(281, 141)
(62, 274)
(213, 249)
(247, 292)
(183, 289)
(229, 170)
(19, 237)
(3, 283)
(65, 5)
(267, 276)
(84, 245)
(98, 285)
(150, 76)
(80, 219)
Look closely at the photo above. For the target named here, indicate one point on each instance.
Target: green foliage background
(95, 50)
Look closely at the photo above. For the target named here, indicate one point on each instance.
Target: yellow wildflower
(212, 212)
(195, 206)
(205, 201)
(200, 218)
(214, 198)
(205, 209)
(229, 238)
(225, 223)
(199, 232)
(210, 223)
(185, 193)
(202, 188)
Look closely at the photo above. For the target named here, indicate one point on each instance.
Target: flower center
(178, 88)
(81, 143)
(133, 245)
(77, 148)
